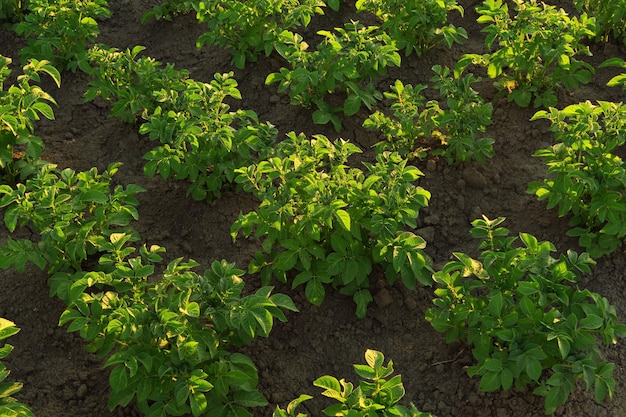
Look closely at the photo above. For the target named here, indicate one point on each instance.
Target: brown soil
(60, 379)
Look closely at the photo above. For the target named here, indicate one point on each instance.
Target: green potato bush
(373, 396)
(587, 179)
(526, 323)
(21, 105)
(70, 211)
(330, 224)
(416, 25)
(345, 63)
(537, 50)
(61, 31)
(415, 126)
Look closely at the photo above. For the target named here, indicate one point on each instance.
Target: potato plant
(345, 63)
(21, 105)
(330, 224)
(61, 31)
(202, 140)
(527, 326)
(246, 28)
(610, 17)
(69, 210)
(129, 82)
(415, 126)
(169, 339)
(416, 25)
(537, 50)
(374, 395)
(9, 406)
(588, 179)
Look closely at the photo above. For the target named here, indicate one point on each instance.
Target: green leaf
(330, 385)
(362, 298)
(94, 196)
(592, 322)
(118, 379)
(343, 218)
(250, 399)
(314, 292)
(192, 309)
(496, 304)
(533, 368)
(198, 403)
(490, 381)
(286, 260)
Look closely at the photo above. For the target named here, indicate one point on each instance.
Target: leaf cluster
(528, 326)
(9, 406)
(331, 224)
(610, 18)
(374, 396)
(169, 340)
(21, 105)
(416, 126)
(416, 25)
(61, 31)
(246, 28)
(345, 63)
(536, 53)
(168, 337)
(202, 140)
(588, 178)
(70, 211)
(12, 10)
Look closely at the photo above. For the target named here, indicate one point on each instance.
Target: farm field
(61, 379)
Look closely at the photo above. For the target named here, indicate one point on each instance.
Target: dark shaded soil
(60, 379)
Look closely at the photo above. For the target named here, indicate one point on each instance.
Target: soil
(60, 379)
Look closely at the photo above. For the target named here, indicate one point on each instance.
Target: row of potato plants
(346, 220)
(498, 372)
(568, 351)
(169, 336)
(249, 28)
(51, 202)
(167, 340)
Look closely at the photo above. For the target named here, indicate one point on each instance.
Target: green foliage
(9, 406)
(70, 210)
(464, 119)
(415, 126)
(373, 397)
(589, 179)
(345, 63)
(618, 79)
(21, 105)
(610, 16)
(527, 325)
(246, 27)
(130, 82)
(408, 129)
(12, 10)
(202, 140)
(60, 31)
(332, 224)
(170, 8)
(537, 50)
(416, 25)
(169, 340)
